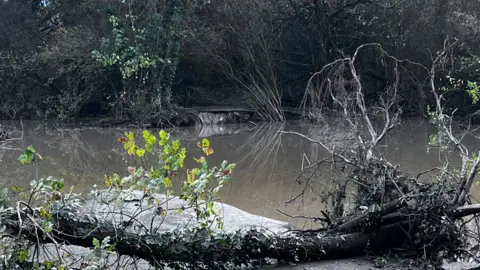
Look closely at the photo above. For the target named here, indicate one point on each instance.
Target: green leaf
(28, 155)
(163, 137)
(4, 198)
(149, 138)
(131, 149)
(127, 145)
(205, 143)
(167, 183)
(96, 243)
(156, 173)
(22, 255)
(30, 149)
(48, 264)
(149, 147)
(106, 242)
(47, 226)
(129, 135)
(140, 152)
(210, 207)
(167, 149)
(18, 189)
(176, 145)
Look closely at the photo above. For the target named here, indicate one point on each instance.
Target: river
(268, 162)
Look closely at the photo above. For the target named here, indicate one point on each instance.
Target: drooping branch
(469, 165)
(342, 83)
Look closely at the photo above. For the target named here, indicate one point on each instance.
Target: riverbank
(178, 117)
(205, 115)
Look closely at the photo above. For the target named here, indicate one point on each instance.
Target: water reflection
(268, 162)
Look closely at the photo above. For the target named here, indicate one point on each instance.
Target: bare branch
(330, 150)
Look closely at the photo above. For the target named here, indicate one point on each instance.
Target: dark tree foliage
(215, 52)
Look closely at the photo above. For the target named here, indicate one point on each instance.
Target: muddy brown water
(268, 162)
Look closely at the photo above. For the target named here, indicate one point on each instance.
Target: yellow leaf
(167, 183)
(108, 181)
(190, 178)
(199, 160)
(43, 213)
(208, 151)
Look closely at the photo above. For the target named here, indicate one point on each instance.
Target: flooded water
(268, 162)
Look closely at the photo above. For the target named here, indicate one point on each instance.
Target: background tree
(194, 53)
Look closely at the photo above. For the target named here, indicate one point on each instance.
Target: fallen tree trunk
(392, 226)
(197, 248)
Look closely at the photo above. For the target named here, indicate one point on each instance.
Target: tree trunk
(199, 248)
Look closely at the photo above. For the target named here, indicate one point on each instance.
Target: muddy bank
(180, 117)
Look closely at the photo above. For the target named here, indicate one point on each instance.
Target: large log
(197, 248)
(169, 240)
